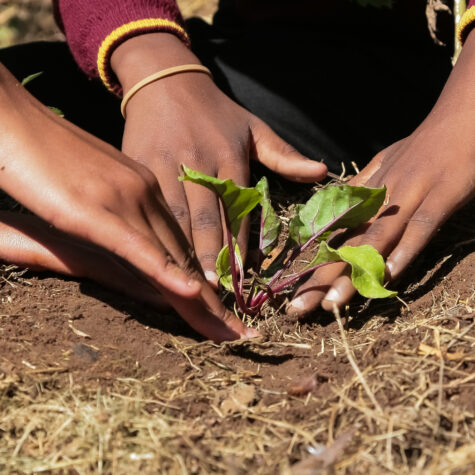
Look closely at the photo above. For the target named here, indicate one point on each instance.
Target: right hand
(88, 189)
(186, 119)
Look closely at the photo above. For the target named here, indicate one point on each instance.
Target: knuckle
(133, 184)
(423, 219)
(180, 212)
(204, 219)
(376, 233)
(193, 156)
(208, 258)
(230, 155)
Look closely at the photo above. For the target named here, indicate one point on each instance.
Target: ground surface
(91, 382)
(89, 379)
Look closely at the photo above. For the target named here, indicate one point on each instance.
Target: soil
(96, 334)
(70, 330)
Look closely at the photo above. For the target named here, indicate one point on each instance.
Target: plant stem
(286, 283)
(297, 251)
(232, 261)
(251, 291)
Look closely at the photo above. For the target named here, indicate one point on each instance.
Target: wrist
(146, 54)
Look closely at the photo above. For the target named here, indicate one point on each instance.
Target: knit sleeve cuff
(466, 23)
(123, 33)
(95, 28)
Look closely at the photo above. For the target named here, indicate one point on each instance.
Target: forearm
(454, 111)
(18, 107)
(459, 92)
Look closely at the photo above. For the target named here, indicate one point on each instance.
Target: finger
(175, 197)
(341, 291)
(280, 157)
(370, 170)
(210, 318)
(383, 233)
(206, 228)
(145, 251)
(422, 226)
(24, 242)
(311, 293)
(28, 241)
(166, 173)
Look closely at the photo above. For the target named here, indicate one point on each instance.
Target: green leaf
(333, 208)
(238, 200)
(270, 222)
(56, 111)
(30, 78)
(223, 267)
(367, 267)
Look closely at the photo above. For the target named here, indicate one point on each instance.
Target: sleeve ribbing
(467, 22)
(95, 28)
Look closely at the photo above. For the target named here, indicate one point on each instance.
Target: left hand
(428, 175)
(28, 241)
(186, 119)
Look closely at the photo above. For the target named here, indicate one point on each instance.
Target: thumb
(280, 157)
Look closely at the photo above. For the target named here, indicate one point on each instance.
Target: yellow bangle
(160, 75)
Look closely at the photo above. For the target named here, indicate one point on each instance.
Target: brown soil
(54, 331)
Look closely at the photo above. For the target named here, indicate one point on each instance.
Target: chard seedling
(332, 207)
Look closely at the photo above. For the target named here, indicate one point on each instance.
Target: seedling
(332, 207)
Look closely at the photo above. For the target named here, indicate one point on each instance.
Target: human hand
(428, 176)
(88, 189)
(28, 241)
(186, 119)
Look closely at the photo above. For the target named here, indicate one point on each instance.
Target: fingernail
(389, 268)
(211, 277)
(297, 305)
(332, 296)
(251, 333)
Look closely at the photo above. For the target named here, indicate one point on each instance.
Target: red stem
(286, 283)
(232, 261)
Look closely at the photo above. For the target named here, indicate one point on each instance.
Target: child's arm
(183, 118)
(86, 188)
(429, 175)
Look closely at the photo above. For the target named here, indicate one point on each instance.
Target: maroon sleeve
(467, 22)
(94, 28)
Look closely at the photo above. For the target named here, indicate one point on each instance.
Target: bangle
(160, 75)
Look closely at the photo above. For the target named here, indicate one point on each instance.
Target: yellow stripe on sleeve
(118, 33)
(467, 18)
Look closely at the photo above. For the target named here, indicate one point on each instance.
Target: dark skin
(186, 119)
(428, 175)
(88, 190)
(121, 232)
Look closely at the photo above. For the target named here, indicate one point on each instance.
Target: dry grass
(26, 20)
(222, 419)
(402, 413)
